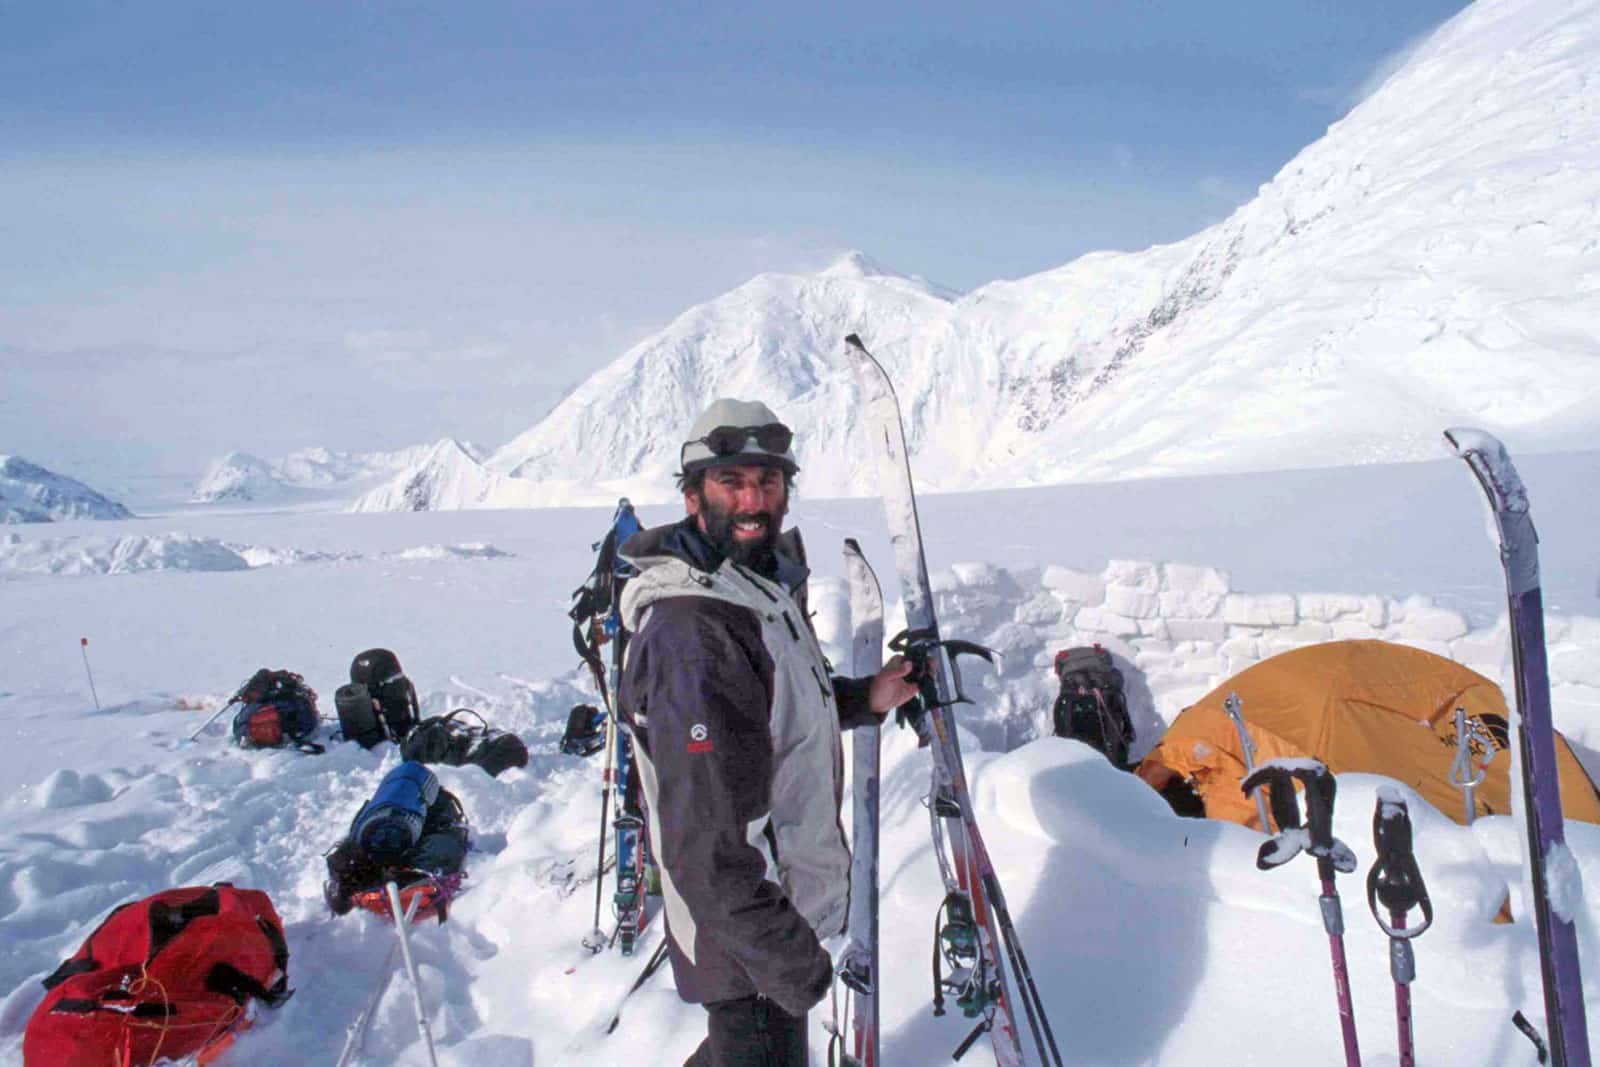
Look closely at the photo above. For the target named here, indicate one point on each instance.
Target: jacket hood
(683, 541)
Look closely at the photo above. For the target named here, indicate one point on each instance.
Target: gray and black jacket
(736, 722)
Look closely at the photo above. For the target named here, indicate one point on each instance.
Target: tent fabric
(1367, 706)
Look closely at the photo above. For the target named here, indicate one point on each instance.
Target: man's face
(740, 510)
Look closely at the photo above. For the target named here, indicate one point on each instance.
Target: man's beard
(759, 554)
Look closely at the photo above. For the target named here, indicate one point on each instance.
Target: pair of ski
(618, 794)
(988, 986)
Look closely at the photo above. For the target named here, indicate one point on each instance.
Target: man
(736, 724)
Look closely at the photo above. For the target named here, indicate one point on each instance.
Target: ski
(1554, 872)
(597, 609)
(979, 922)
(858, 964)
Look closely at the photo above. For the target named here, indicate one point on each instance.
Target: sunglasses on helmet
(774, 437)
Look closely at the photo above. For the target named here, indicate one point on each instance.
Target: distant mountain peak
(30, 493)
(857, 264)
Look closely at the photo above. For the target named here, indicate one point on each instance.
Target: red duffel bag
(165, 977)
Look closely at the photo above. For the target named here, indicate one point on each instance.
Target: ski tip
(1465, 440)
(852, 545)
(854, 341)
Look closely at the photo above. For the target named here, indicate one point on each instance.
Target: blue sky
(458, 210)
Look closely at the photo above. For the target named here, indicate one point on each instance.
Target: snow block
(1575, 666)
(1085, 589)
(1270, 609)
(1132, 602)
(1156, 628)
(1043, 609)
(1580, 629)
(1190, 604)
(1184, 578)
(1481, 646)
(1355, 630)
(1014, 640)
(1438, 648)
(1196, 629)
(1325, 607)
(1134, 574)
(973, 573)
(1419, 617)
(1101, 621)
(1239, 653)
(1308, 633)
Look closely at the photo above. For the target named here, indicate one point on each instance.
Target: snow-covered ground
(1153, 939)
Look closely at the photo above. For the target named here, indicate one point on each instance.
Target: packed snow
(110, 805)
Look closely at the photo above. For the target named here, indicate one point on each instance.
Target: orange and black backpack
(276, 708)
(166, 977)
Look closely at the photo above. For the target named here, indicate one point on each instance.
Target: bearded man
(736, 722)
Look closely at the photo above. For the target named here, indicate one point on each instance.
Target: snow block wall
(1178, 630)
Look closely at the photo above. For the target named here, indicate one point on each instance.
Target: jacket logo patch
(699, 738)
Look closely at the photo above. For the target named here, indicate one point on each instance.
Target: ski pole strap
(984, 1026)
(1520, 1021)
(1316, 835)
(1395, 881)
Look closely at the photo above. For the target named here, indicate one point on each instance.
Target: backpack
(595, 603)
(585, 733)
(412, 832)
(1092, 706)
(166, 977)
(380, 703)
(443, 739)
(276, 708)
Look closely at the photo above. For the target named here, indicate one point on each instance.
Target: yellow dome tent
(1366, 706)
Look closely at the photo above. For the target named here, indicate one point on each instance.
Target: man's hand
(891, 687)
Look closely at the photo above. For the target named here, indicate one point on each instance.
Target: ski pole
(214, 716)
(358, 1029)
(401, 932)
(595, 939)
(1396, 883)
(1464, 774)
(1236, 712)
(83, 646)
(655, 961)
(1330, 853)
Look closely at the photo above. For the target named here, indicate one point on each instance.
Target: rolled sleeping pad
(391, 822)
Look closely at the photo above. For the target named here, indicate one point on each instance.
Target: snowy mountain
(449, 477)
(240, 476)
(237, 476)
(1428, 262)
(30, 493)
(773, 337)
